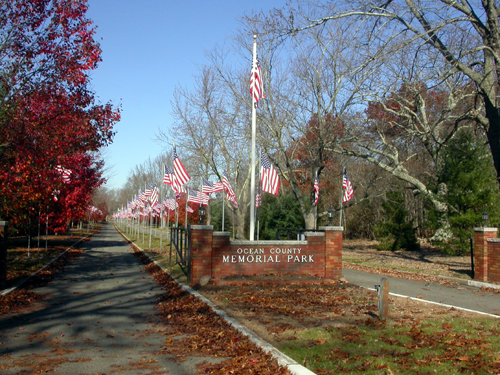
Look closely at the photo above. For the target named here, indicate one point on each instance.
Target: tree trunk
(239, 223)
(493, 133)
(310, 219)
(443, 232)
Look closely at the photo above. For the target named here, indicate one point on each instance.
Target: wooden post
(3, 252)
(383, 293)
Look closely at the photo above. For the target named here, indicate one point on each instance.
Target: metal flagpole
(254, 126)
(316, 208)
(161, 218)
(150, 224)
(186, 216)
(341, 196)
(223, 207)
(260, 203)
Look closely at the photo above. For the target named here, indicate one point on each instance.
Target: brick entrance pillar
(201, 252)
(333, 252)
(4, 225)
(481, 256)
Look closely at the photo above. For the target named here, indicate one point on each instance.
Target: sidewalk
(98, 318)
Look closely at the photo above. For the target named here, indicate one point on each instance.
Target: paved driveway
(98, 319)
(453, 294)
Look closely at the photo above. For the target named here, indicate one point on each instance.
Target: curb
(285, 361)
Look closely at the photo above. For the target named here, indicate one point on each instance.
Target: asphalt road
(454, 294)
(98, 319)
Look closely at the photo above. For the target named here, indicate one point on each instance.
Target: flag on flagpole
(258, 200)
(232, 199)
(65, 173)
(227, 185)
(168, 177)
(147, 193)
(316, 190)
(171, 204)
(154, 196)
(256, 83)
(209, 187)
(347, 186)
(196, 196)
(270, 180)
(189, 209)
(180, 172)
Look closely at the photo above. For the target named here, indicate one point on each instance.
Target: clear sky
(148, 48)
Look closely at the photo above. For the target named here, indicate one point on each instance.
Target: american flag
(347, 186)
(269, 178)
(147, 193)
(258, 200)
(189, 210)
(168, 177)
(227, 185)
(170, 203)
(209, 187)
(232, 199)
(141, 198)
(180, 172)
(316, 190)
(65, 173)
(154, 196)
(257, 83)
(196, 196)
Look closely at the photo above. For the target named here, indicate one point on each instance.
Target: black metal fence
(180, 242)
(293, 233)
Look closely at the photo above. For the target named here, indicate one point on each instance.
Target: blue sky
(149, 47)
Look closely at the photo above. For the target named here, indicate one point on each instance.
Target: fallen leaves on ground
(194, 329)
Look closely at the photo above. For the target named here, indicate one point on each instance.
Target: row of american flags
(177, 177)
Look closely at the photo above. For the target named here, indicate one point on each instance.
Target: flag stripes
(256, 83)
(270, 180)
(316, 190)
(180, 172)
(347, 186)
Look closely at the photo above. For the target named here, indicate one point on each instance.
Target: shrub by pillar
(201, 252)
(481, 256)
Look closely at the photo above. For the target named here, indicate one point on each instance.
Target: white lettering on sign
(250, 251)
(276, 255)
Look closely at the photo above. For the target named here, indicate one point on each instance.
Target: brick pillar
(3, 252)
(220, 240)
(201, 252)
(333, 252)
(481, 236)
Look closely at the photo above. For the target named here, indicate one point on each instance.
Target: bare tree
(465, 33)
(211, 126)
(313, 81)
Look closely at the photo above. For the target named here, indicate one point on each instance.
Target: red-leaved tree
(48, 114)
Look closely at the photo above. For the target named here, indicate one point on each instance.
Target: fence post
(4, 226)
